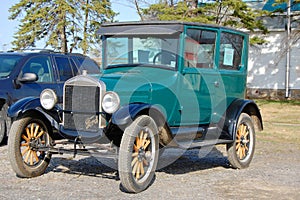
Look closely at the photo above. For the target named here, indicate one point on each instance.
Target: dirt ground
(273, 174)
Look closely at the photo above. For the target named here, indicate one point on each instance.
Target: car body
(163, 84)
(28, 73)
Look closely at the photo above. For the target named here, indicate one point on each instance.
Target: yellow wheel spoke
(31, 130)
(24, 151)
(27, 156)
(36, 130)
(137, 141)
(135, 154)
(24, 144)
(138, 170)
(27, 132)
(25, 138)
(134, 161)
(134, 169)
(35, 156)
(144, 139)
(40, 134)
(145, 162)
(146, 144)
(31, 158)
(142, 168)
(237, 145)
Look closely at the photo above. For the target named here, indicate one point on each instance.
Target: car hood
(131, 85)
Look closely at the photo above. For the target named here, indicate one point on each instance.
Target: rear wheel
(26, 136)
(2, 125)
(241, 151)
(138, 154)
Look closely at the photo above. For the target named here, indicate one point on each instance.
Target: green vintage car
(163, 85)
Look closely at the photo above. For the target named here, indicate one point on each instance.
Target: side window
(199, 48)
(41, 66)
(231, 51)
(64, 68)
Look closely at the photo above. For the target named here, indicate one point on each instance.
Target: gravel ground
(273, 174)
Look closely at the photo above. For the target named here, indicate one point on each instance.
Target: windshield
(7, 64)
(160, 51)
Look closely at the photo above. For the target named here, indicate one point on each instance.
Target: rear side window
(88, 64)
(64, 68)
(7, 64)
(41, 66)
(231, 51)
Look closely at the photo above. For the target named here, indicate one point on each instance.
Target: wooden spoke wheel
(240, 152)
(26, 136)
(138, 154)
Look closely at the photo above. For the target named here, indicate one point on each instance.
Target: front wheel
(241, 151)
(138, 154)
(26, 136)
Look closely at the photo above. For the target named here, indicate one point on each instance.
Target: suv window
(7, 64)
(230, 51)
(88, 64)
(65, 68)
(40, 65)
(199, 48)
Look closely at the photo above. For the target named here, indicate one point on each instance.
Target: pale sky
(9, 27)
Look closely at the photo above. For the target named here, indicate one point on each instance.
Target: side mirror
(28, 77)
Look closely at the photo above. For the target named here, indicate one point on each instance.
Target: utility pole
(287, 72)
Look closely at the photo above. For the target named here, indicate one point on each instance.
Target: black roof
(152, 27)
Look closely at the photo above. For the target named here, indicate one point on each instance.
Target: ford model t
(163, 84)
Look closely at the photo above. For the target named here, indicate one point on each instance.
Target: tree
(233, 13)
(59, 23)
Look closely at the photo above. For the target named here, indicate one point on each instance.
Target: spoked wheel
(240, 152)
(26, 136)
(138, 154)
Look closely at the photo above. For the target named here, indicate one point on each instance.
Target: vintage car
(163, 85)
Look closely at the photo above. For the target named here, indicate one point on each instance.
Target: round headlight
(48, 99)
(110, 102)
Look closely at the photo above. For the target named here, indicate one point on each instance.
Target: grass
(281, 121)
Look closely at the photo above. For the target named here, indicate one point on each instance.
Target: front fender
(126, 114)
(27, 104)
(229, 122)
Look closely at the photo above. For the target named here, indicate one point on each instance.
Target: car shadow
(186, 161)
(172, 161)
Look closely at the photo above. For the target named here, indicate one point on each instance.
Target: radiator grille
(82, 106)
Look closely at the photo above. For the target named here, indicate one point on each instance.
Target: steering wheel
(168, 56)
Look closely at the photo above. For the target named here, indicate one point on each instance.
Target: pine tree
(59, 22)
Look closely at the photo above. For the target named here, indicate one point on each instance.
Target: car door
(201, 85)
(42, 66)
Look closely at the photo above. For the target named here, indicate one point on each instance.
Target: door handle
(217, 84)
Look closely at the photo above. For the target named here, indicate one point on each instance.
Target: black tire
(2, 125)
(241, 151)
(25, 135)
(138, 154)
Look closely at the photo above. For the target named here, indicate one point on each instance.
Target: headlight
(48, 99)
(110, 102)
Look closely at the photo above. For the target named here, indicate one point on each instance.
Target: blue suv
(25, 74)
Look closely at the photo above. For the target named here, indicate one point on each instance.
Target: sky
(9, 27)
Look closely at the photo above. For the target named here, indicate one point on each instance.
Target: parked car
(28, 73)
(163, 84)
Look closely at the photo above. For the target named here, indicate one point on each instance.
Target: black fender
(126, 114)
(238, 106)
(22, 106)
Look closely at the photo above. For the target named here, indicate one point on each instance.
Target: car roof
(40, 52)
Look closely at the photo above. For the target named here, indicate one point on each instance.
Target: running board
(196, 137)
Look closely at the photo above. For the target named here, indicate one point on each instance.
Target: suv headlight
(48, 99)
(110, 102)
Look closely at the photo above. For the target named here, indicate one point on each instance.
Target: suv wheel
(2, 125)
(138, 154)
(240, 152)
(25, 137)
